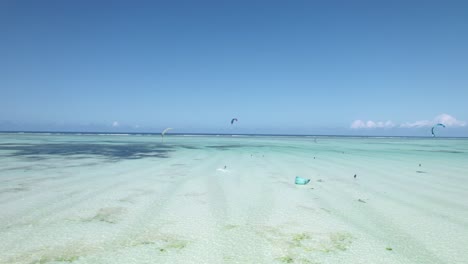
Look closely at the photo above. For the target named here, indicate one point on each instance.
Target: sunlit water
(214, 199)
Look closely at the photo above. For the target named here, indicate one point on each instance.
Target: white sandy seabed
(95, 205)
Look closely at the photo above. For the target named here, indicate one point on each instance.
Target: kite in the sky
(232, 121)
(164, 132)
(434, 128)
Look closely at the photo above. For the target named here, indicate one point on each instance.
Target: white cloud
(421, 123)
(115, 124)
(357, 124)
(449, 120)
(445, 119)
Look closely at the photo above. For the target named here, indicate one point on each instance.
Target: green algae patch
(159, 242)
(109, 215)
(178, 244)
(67, 259)
(389, 248)
(304, 247)
(230, 226)
(167, 244)
(289, 259)
(302, 260)
(286, 259)
(140, 243)
(328, 242)
(340, 241)
(299, 238)
(228, 258)
(64, 259)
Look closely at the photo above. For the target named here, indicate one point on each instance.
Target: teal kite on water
(302, 181)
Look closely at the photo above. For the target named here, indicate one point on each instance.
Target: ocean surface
(126, 199)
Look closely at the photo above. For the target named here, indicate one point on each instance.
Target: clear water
(134, 199)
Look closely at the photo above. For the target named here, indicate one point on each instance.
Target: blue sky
(306, 67)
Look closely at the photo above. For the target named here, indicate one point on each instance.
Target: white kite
(164, 132)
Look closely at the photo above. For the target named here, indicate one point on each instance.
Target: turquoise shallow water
(220, 199)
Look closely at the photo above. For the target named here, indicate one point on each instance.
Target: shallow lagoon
(135, 199)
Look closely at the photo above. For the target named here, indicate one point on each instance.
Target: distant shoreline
(214, 134)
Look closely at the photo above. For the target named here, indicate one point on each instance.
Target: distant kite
(164, 132)
(434, 128)
(232, 121)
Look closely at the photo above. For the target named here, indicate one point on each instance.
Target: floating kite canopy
(301, 181)
(434, 128)
(232, 120)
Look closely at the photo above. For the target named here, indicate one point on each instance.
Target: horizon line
(211, 134)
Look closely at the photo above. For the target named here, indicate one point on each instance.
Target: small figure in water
(224, 166)
(419, 164)
(355, 176)
(314, 157)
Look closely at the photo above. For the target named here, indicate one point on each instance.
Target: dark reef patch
(34, 152)
(232, 146)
